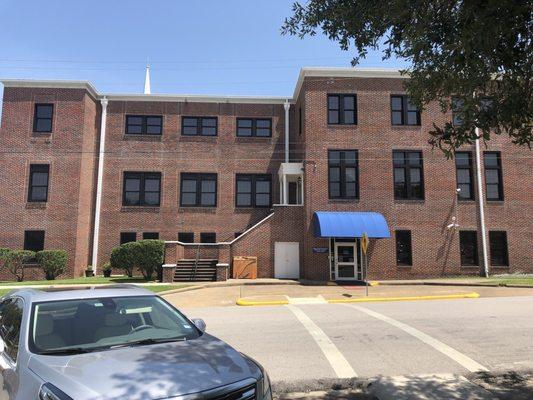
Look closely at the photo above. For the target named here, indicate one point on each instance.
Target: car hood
(159, 371)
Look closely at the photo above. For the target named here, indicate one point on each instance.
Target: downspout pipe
(287, 107)
(99, 184)
(480, 198)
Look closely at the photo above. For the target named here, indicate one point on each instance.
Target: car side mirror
(199, 323)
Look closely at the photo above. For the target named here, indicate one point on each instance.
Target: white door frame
(356, 268)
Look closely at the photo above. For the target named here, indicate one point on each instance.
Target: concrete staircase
(205, 270)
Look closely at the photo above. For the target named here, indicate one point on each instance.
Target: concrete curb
(180, 290)
(460, 284)
(248, 303)
(472, 295)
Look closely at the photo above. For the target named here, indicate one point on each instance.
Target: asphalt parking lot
(311, 342)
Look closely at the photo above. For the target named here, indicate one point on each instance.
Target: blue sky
(204, 47)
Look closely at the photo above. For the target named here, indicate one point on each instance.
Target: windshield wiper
(71, 350)
(143, 342)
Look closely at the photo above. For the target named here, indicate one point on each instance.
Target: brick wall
(69, 150)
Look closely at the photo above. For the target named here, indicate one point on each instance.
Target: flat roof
(305, 72)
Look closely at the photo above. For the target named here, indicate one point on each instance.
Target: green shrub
(106, 267)
(53, 262)
(14, 261)
(146, 255)
(123, 257)
(151, 256)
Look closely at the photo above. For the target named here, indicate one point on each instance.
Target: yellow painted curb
(242, 302)
(374, 283)
(472, 295)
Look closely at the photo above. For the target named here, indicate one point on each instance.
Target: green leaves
(53, 262)
(145, 255)
(472, 50)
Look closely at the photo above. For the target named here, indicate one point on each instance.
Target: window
(493, 175)
(260, 127)
(404, 255)
(499, 255)
(38, 187)
(34, 240)
(457, 106)
(144, 125)
(468, 248)
(464, 173)
(342, 109)
(198, 190)
(150, 235)
(343, 174)
(408, 175)
(253, 190)
(403, 112)
(203, 126)
(10, 321)
(42, 118)
(142, 189)
(208, 237)
(186, 237)
(127, 237)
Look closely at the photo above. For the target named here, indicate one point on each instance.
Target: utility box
(244, 267)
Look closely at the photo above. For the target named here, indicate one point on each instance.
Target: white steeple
(147, 80)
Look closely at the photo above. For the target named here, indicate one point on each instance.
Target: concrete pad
(428, 387)
(326, 395)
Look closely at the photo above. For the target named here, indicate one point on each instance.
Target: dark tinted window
(493, 175)
(408, 175)
(10, 321)
(342, 109)
(457, 107)
(186, 237)
(403, 112)
(260, 127)
(144, 125)
(253, 190)
(38, 185)
(42, 118)
(208, 237)
(126, 237)
(343, 174)
(199, 126)
(464, 173)
(34, 240)
(142, 189)
(468, 248)
(403, 248)
(198, 190)
(499, 255)
(150, 235)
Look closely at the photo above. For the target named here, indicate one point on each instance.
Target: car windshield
(83, 325)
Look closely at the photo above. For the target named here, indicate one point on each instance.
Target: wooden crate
(244, 267)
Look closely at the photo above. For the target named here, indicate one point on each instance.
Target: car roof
(58, 293)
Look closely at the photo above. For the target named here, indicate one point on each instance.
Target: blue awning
(343, 224)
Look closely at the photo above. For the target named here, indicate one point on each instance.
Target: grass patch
(4, 291)
(75, 281)
(512, 281)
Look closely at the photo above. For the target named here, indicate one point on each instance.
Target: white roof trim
(304, 73)
(342, 72)
(35, 83)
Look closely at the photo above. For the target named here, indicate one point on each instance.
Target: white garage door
(287, 260)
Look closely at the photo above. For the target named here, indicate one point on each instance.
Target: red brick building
(222, 177)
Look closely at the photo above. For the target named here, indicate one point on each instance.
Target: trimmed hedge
(146, 255)
(53, 262)
(14, 261)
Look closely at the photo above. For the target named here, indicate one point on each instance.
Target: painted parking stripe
(340, 365)
(448, 351)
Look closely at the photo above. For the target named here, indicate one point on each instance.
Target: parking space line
(338, 362)
(448, 351)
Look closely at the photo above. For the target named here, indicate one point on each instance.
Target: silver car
(119, 342)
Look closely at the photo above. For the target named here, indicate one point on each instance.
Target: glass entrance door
(346, 267)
